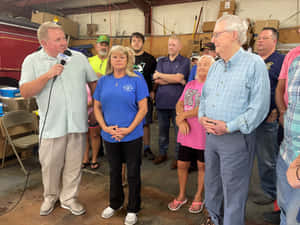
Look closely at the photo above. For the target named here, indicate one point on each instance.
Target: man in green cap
(99, 64)
(99, 61)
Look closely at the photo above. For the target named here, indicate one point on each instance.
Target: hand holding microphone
(57, 69)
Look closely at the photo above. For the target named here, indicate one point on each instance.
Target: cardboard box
(289, 35)
(71, 28)
(260, 24)
(227, 5)
(222, 13)
(208, 26)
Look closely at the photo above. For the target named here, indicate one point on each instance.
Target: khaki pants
(61, 160)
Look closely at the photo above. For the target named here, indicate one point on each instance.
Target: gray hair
(212, 60)
(42, 32)
(235, 23)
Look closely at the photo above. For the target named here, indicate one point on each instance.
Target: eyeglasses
(217, 34)
(263, 38)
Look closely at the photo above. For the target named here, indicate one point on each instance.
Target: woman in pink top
(93, 137)
(191, 136)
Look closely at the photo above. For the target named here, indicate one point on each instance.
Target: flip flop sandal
(176, 205)
(196, 207)
(85, 165)
(94, 165)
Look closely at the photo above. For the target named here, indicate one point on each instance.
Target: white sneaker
(47, 207)
(108, 212)
(131, 219)
(74, 207)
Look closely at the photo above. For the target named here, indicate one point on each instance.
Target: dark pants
(129, 152)
(267, 150)
(164, 116)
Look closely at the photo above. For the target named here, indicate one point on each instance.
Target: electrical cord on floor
(40, 138)
(21, 195)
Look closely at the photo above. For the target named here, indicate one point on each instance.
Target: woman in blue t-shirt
(120, 106)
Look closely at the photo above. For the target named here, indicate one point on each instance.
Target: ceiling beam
(16, 11)
(172, 2)
(141, 5)
(10, 8)
(97, 8)
(23, 3)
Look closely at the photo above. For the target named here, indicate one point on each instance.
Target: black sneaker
(148, 154)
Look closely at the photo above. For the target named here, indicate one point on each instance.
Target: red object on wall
(16, 42)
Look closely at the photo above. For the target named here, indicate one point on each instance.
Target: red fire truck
(17, 40)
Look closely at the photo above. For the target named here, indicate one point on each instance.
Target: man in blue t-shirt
(170, 77)
(267, 133)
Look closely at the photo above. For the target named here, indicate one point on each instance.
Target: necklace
(116, 84)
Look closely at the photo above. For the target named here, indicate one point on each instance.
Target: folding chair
(21, 132)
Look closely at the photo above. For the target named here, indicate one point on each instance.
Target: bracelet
(297, 174)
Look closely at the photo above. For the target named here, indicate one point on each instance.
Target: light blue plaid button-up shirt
(237, 92)
(290, 146)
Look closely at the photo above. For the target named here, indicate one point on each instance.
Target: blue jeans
(288, 198)
(267, 152)
(228, 167)
(164, 116)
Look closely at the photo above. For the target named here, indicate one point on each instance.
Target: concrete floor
(159, 186)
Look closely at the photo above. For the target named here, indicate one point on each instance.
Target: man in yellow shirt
(99, 61)
(99, 64)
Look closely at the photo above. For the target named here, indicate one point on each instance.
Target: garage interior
(83, 21)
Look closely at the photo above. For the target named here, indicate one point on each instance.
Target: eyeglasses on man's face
(217, 34)
(263, 38)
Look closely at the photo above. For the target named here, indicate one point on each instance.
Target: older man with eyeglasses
(235, 100)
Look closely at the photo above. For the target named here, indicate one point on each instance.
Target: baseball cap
(103, 38)
(210, 46)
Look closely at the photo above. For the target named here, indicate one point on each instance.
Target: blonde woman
(120, 107)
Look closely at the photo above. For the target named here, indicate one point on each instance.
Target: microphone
(63, 58)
